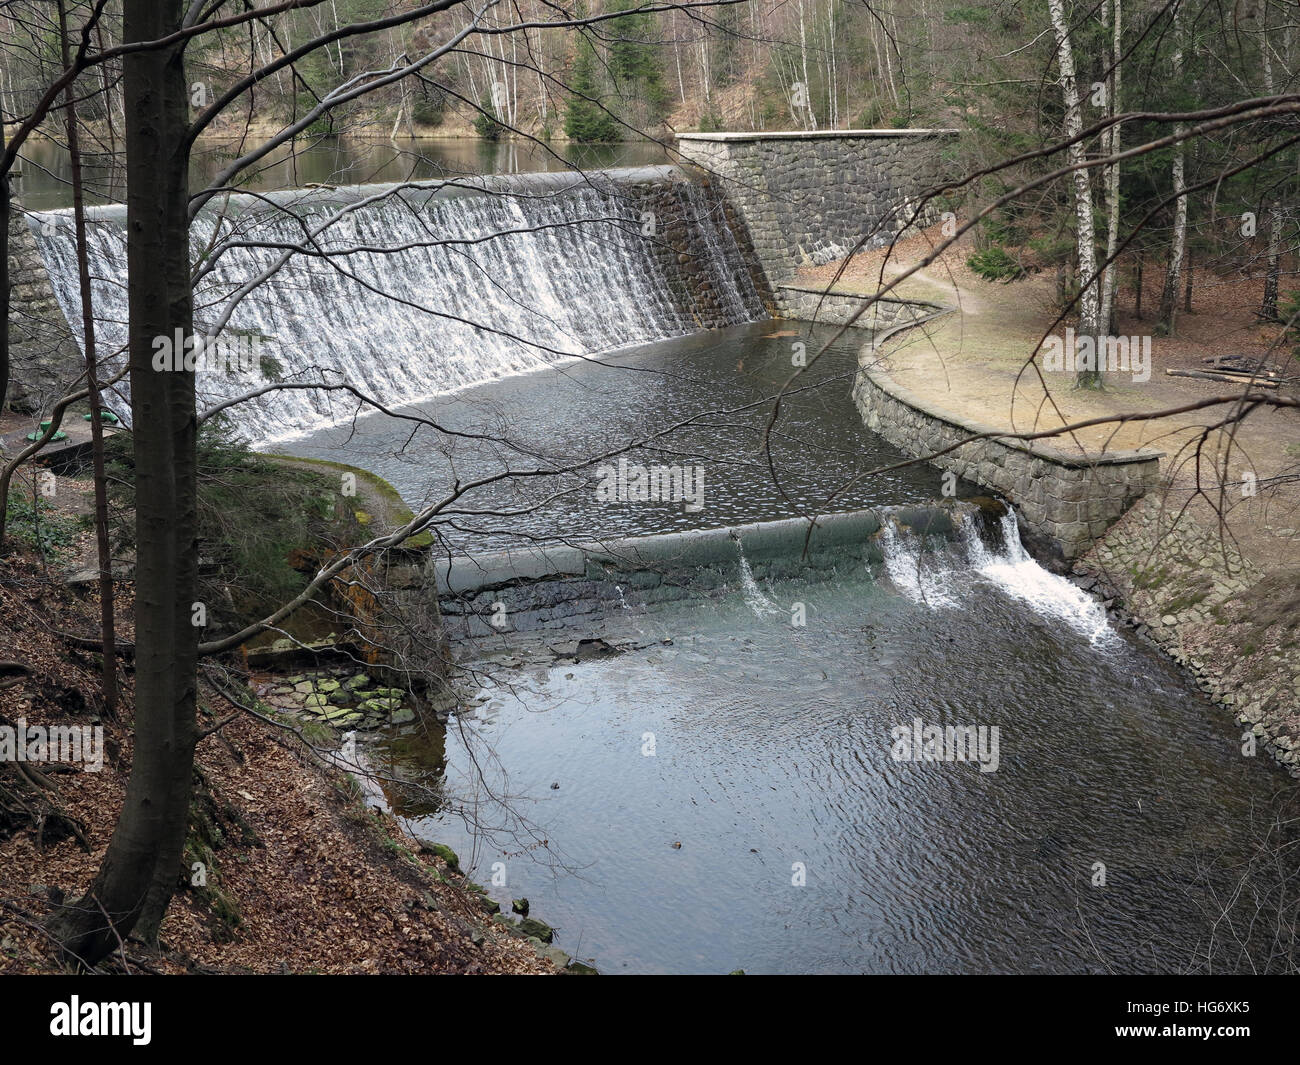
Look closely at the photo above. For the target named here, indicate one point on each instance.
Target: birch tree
(1110, 275)
(1085, 233)
(1178, 240)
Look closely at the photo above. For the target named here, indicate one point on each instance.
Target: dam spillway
(413, 290)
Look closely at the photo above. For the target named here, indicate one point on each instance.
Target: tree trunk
(142, 865)
(1110, 276)
(1169, 297)
(1268, 309)
(92, 385)
(1085, 231)
(6, 197)
(1178, 241)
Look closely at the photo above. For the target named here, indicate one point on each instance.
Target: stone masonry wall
(810, 197)
(43, 354)
(681, 246)
(836, 308)
(1066, 500)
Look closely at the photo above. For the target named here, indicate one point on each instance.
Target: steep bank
(296, 871)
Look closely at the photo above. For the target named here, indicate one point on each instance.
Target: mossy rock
(554, 955)
(316, 703)
(304, 687)
(359, 681)
(520, 906)
(536, 929)
(327, 685)
(578, 968)
(445, 853)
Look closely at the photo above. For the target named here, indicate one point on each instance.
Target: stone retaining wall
(43, 354)
(1066, 501)
(1198, 599)
(809, 197)
(836, 308)
(680, 243)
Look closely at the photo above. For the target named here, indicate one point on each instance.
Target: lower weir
(533, 588)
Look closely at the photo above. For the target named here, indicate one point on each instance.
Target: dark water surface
(713, 391)
(772, 744)
(773, 752)
(331, 160)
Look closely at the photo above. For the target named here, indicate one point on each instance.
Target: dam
(677, 727)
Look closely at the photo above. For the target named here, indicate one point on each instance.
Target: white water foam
(932, 579)
(755, 598)
(470, 288)
(1019, 576)
(914, 573)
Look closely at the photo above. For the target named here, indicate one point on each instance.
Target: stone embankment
(812, 197)
(1066, 500)
(1188, 590)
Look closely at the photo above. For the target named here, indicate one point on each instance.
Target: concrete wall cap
(815, 134)
(1058, 456)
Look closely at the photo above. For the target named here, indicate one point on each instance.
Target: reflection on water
(330, 161)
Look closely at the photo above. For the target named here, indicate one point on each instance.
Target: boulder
(536, 929)
(444, 852)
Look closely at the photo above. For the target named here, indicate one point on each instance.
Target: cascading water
(425, 290)
(912, 568)
(755, 598)
(939, 578)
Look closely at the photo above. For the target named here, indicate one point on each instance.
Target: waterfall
(506, 276)
(754, 596)
(940, 575)
(909, 561)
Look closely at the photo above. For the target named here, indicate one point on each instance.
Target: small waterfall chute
(939, 573)
(755, 598)
(911, 564)
(1014, 571)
